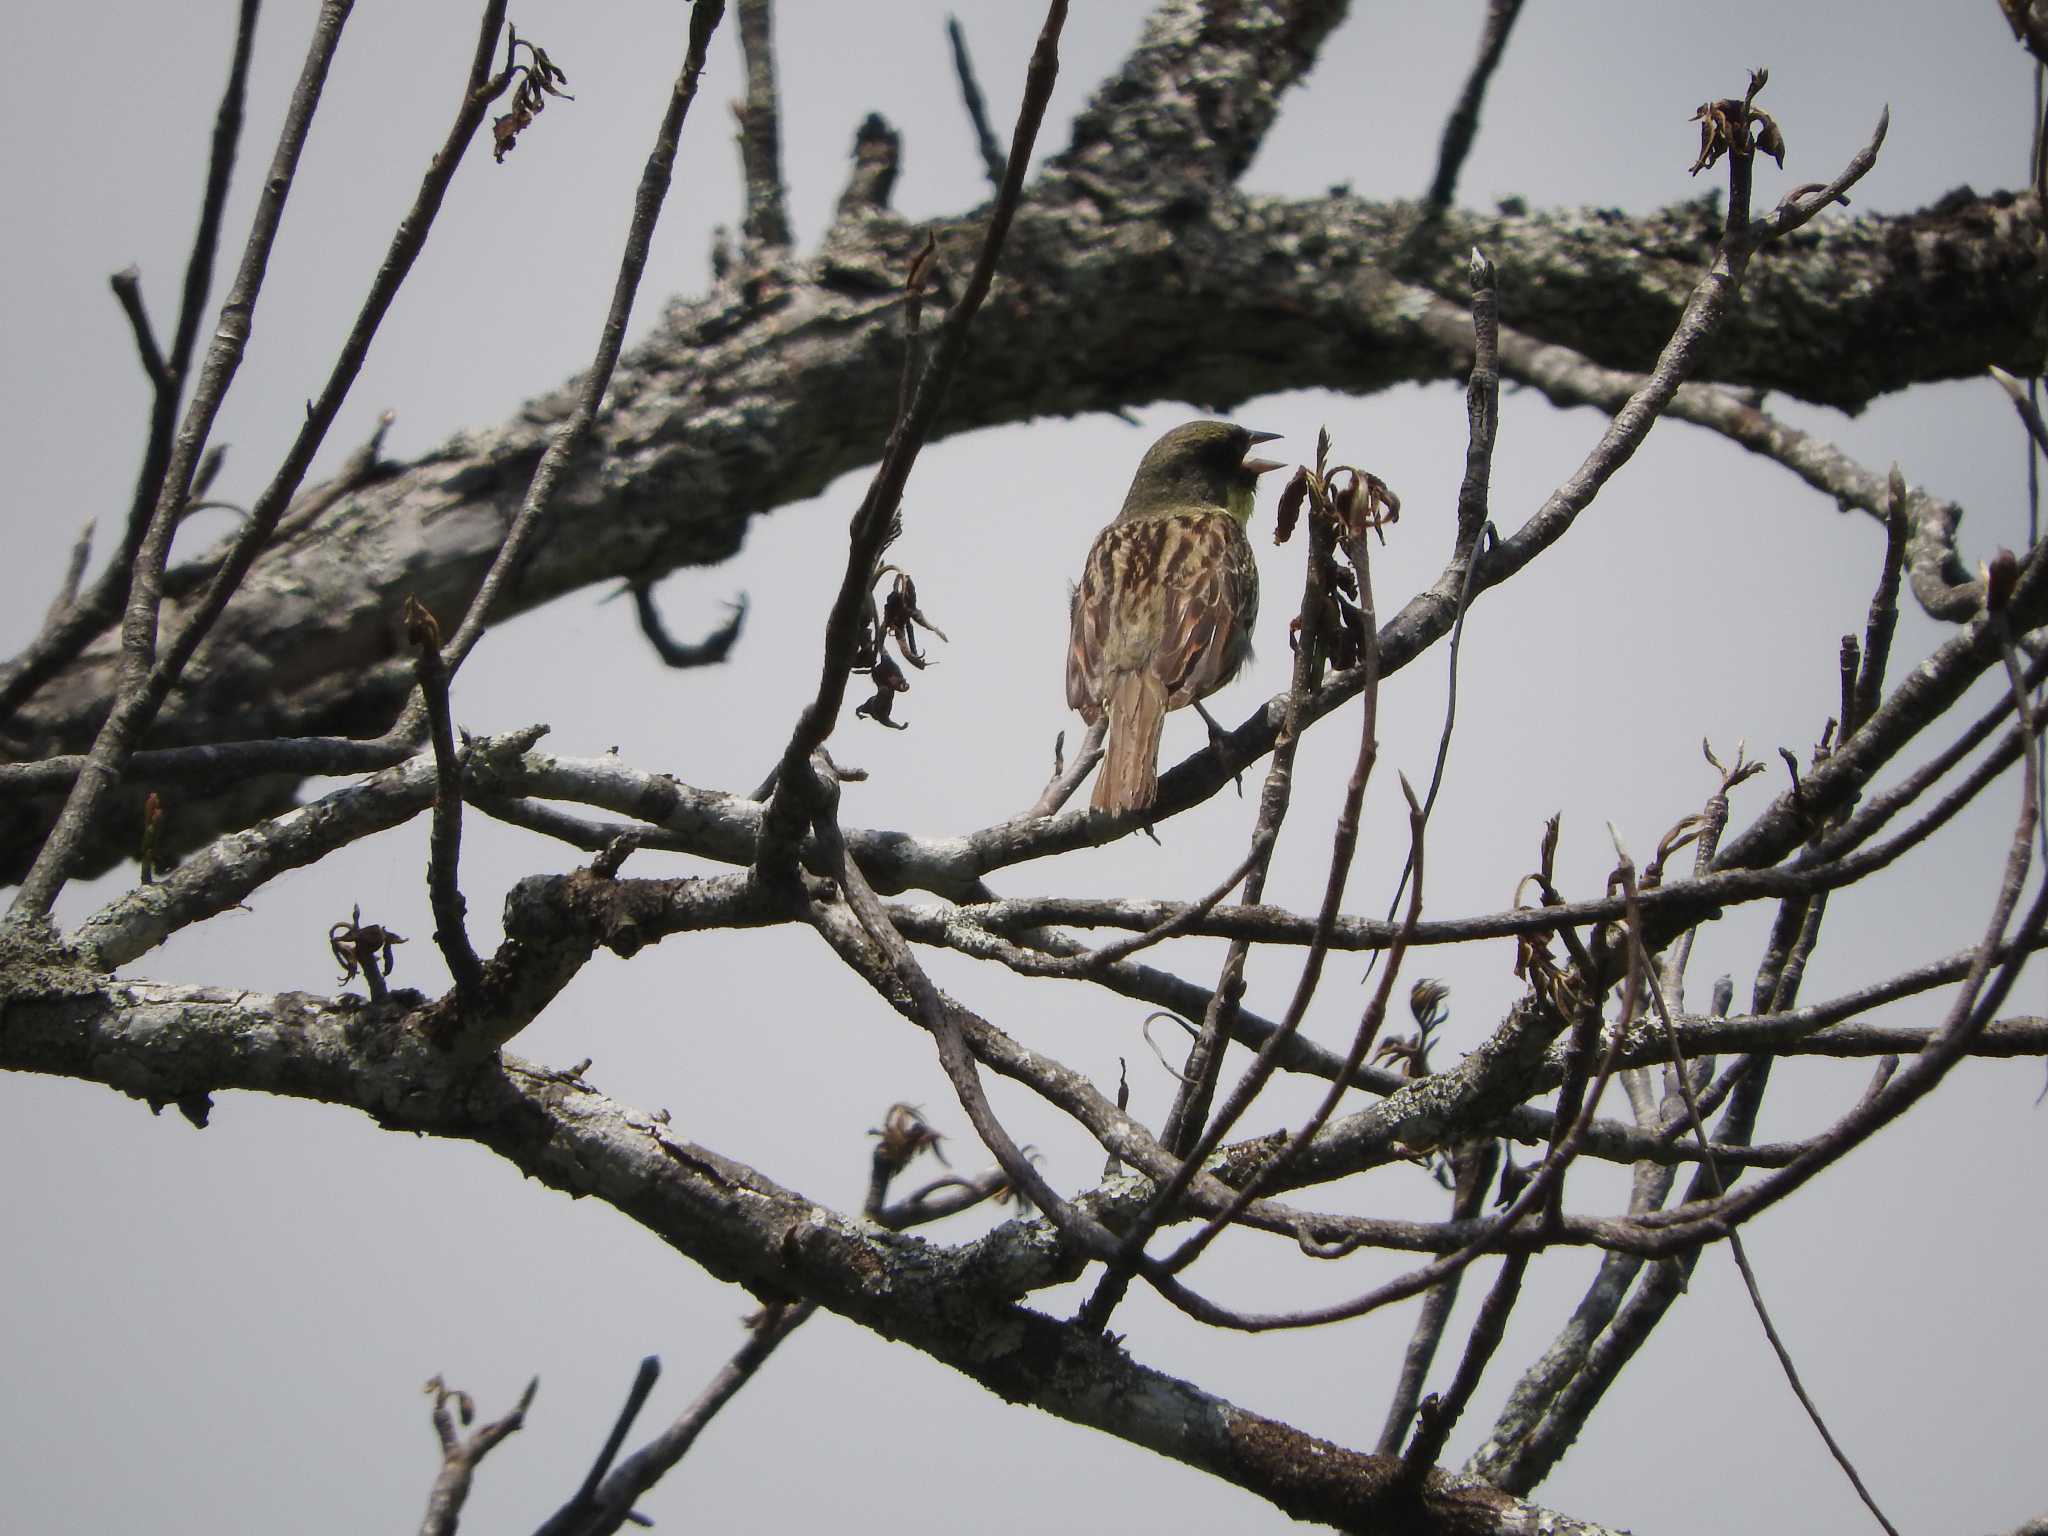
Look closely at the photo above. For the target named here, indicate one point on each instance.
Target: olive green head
(1201, 464)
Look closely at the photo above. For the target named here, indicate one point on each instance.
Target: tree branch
(1462, 126)
(135, 700)
(977, 109)
(459, 1456)
(767, 218)
(62, 641)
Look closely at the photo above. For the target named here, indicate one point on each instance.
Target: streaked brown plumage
(1163, 613)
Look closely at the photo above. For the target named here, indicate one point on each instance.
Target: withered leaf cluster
(1352, 503)
(421, 627)
(897, 617)
(152, 827)
(1535, 965)
(1684, 832)
(2028, 24)
(358, 947)
(535, 83)
(445, 1395)
(1340, 627)
(901, 1136)
(1410, 1053)
(1740, 128)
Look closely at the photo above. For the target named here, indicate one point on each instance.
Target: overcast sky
(229, 1329)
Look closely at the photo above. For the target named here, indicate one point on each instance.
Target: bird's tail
(1129, 778)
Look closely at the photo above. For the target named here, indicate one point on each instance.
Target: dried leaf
(902, 1135)
(2000, 574)
(1426, 1001)
(1290, 504)
(1513, 1179)
(1730, 127)
(505, 131)
(538, 80)
(1769, 139)
(902, 618)
(889, 681)
(1365, 504)
(921, 266)
(152, 824)
(1409, 1054)
(421, 627)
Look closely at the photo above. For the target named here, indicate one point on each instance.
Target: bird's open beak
(1261, 466)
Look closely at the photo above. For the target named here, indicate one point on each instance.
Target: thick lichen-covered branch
(750, 400)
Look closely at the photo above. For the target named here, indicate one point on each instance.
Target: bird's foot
(1217, 736)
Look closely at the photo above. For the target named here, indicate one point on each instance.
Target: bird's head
(1203, 463)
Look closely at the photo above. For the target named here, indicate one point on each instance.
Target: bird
(1162, 616)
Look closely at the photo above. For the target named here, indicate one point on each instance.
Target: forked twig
(460, 1455)
(63, 638)
(977, 108)
(874, 522)
(136, 699)
(1712, 1172)
(760, 115)
(1462, 126)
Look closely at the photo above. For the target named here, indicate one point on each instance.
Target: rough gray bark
(782, 378)
(176, 1045)
(1134, 240)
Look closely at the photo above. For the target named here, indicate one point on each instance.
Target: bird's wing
(1085, 616)
(1174, 595)
(1210, 605)
(1116, 612)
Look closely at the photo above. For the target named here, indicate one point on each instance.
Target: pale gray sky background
(228, 1329)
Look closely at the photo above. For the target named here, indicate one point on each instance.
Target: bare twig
(127, 286)
(1562, 1365)
(1474, 1182)
(1437, 1419)
(1884, 608)
(1474, 535)
(1187, 1128)
(74, 572)
(709, 651)
(1708, 306)
(1068, 777)
(1180, 922)
(875, 520)
(574, 1517)
(1462, 126)
(877, 149)
(1188, 1119)
(1537, 1194)
(136, 701)
(601, 1510)
(2029, 414)
(644, 1378)
(444, 844)
(459, 1455)
(1712, 1173)
(942, 1197)
(58, 643)
(767, 217)
(222, 762)
(977, 108)
(1343, 845)
(1940, 583)
(1983, 991)
(647, 201)
(944, 1027)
